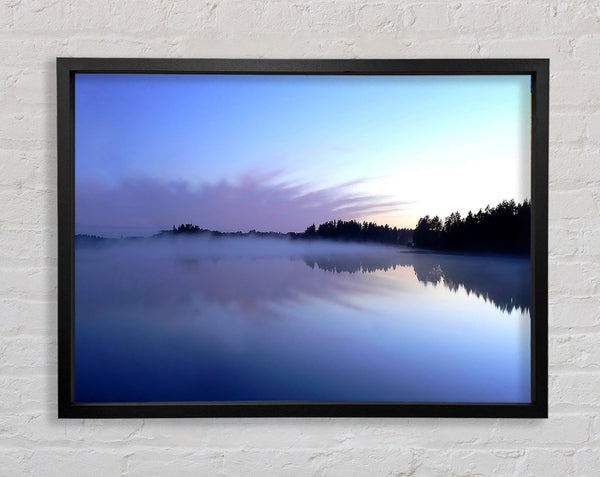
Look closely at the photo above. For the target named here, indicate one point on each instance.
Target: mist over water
(188, 318)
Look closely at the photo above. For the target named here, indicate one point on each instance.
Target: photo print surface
(302, 238)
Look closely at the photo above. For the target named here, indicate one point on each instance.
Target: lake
(242, 319)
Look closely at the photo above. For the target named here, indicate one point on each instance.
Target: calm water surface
(193, 319)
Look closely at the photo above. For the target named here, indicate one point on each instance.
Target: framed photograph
(337, 238)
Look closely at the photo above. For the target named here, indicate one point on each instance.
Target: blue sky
(233, 152)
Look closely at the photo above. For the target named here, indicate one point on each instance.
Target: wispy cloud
(263, 202)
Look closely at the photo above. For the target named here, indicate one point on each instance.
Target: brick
(6, 15)
(379, 17)
(29, 207)
(37, 87)
(25, 51)
(30, 429)
(564, 241)
(291, 462)
(574, 204)
(552, 18)
(591, 242)
(513, 44)
(15, 462)
(87, 15)
(175, 462)
(548, 462)
(137, 16)
(593, 129)
(469, 462)
(274, 17)
(574, 165)
(43, 15)
(28, 247)
(557, 430)
(576, 389)
(24, 316)
(574, 312)
(32, 354)
(516, 20)
(333, 16)
(183, 16)
(587, 461)
(595, 430)
(579, 351)
(431, 16)
(75, 462)
(121, 47)
(575, 88)
(585, 50)
(101, 431)
(475, 16)
(28, 169)
(574, 279)
(249, 45)
(24, 124)
(22, 283)
(568, 128)
(24, 395)
(437, 48)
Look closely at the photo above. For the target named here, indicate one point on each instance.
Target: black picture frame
(539, 71)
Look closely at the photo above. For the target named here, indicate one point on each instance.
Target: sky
(279, 153)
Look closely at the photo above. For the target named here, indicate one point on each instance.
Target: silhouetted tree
(187, 228)
(504, 228)
(310, 231)
(354, 231)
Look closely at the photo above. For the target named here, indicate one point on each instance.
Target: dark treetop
(505, 228)
(358, 232)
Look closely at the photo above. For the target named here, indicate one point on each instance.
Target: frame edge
(65, 70)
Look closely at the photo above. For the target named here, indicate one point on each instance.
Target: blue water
(191, 319)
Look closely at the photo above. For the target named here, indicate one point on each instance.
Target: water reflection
(243, 320)
(254, 275)
(501, 280)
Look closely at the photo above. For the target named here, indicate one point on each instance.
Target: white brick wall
(34, 442)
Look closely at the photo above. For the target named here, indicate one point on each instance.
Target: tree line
(193, 229)
(187, 228)
(352, 230)
(503, 228)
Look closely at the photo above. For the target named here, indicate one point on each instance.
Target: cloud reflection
(182, 278)
(176, 277)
